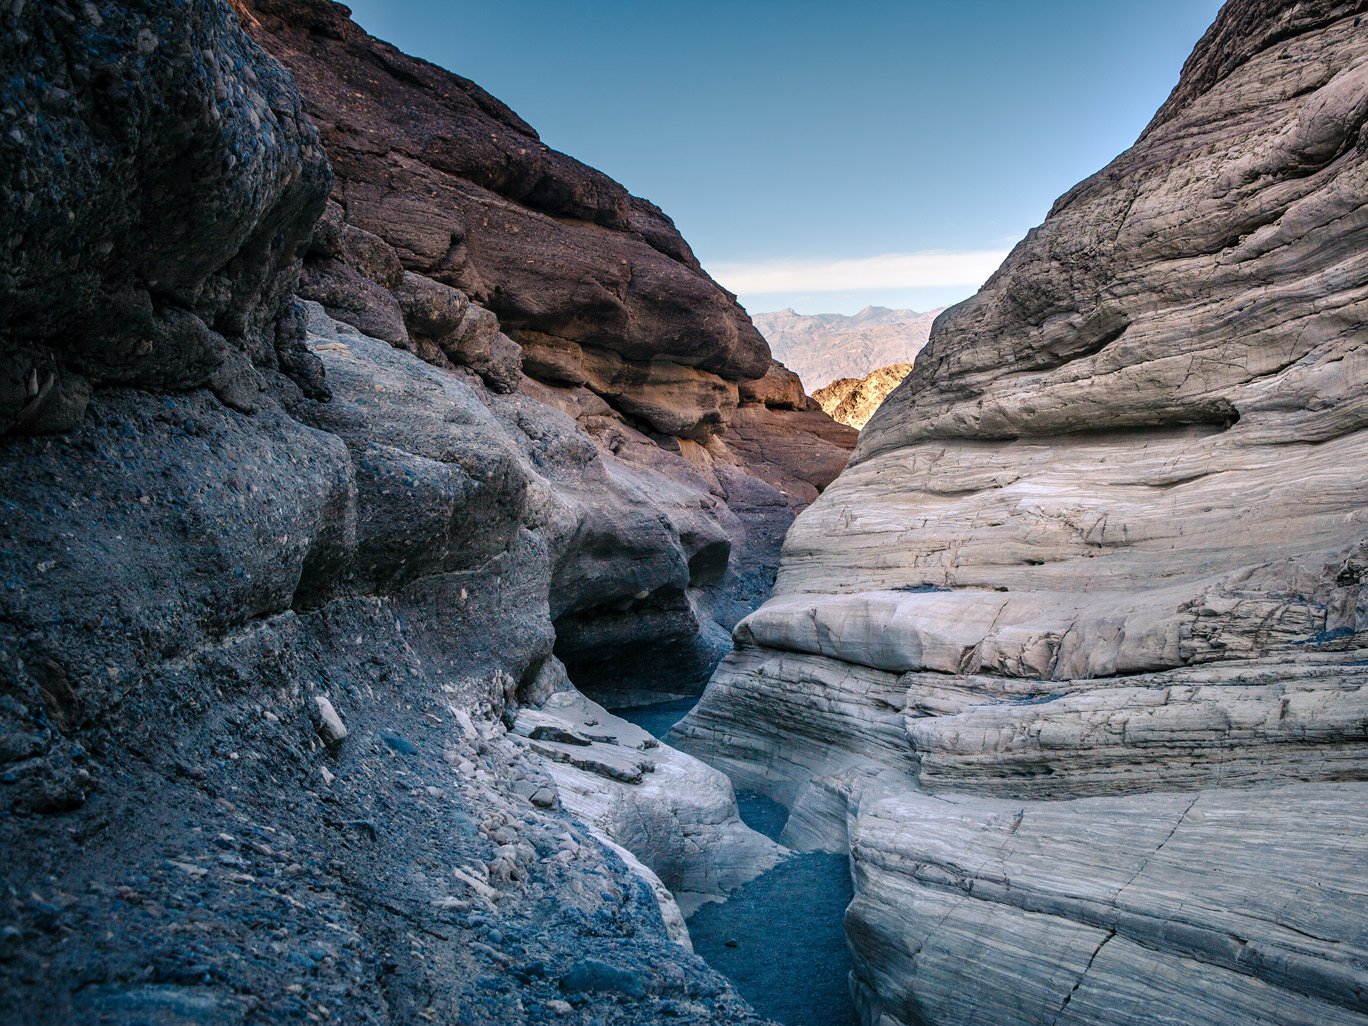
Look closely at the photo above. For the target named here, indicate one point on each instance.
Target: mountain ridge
(821, 348)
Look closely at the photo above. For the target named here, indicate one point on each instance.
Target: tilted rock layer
(853, 400)
(1072, 657)
(289, 540)
(454, 233)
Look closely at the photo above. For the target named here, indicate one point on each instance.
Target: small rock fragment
(330, 726)
(398, 744)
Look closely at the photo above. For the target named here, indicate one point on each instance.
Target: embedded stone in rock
(593, 975)
(330, 725)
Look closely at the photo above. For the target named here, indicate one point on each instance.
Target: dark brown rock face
(454, 233)
(467, 194)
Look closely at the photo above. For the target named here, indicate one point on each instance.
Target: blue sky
(817, 155)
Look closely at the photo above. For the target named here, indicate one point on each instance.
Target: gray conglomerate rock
(257, 648)
(158, 181)
(185, 835)
(1071, 658)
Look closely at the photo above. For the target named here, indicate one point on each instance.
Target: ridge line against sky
(817, 158)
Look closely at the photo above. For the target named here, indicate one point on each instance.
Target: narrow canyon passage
(779, 938)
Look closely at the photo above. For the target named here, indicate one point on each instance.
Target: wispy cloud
(926, 269)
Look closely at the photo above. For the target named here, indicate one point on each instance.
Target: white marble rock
(1072, 658)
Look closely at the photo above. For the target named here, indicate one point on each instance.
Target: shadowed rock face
(455, 234)
(278, 575)
(1072, 657)
(158, 182)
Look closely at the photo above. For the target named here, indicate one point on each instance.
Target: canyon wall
(314, 477)
(453, 232)
(1071, 659)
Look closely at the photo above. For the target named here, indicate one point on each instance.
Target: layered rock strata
(1072, 658)
(453, 232)
(853, 400)
(279, 574)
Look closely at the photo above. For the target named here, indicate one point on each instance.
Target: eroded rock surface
(278, 573)
(158, 181)
(1071, 658)
(674, 813)
(454, 233)
(853, 400)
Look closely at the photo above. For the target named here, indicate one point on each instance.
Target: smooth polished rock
(676, 814)
(1071, 658)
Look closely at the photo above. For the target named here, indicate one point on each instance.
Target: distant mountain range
(824, 347)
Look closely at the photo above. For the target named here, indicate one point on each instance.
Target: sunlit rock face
(1071, 658)
(853, 400)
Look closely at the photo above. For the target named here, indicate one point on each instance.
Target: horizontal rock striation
(1071, 658)
(454, 233)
